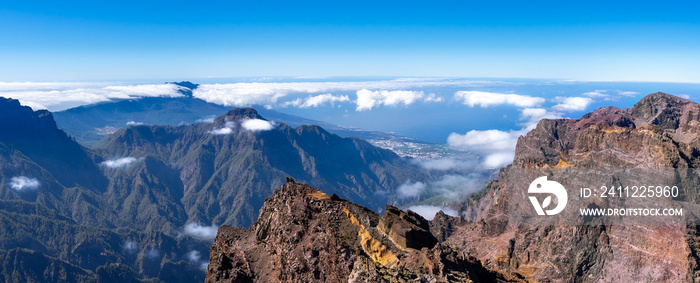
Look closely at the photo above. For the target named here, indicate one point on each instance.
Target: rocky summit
(660, 131)
(305, 235)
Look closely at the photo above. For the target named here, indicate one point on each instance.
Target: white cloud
(498, 160)
(153, 253)
(202, 232)
(240, 94)
(227, 129)
(255, 125)
(320, 100)
(134, 123)
(487, 99)
(572, 103)
(498, 147)
(21, 183)
(145, 90)
(222, 131)
(684, 96)
(432, 98)
(628, 93)
(367, 99)
(32, 104)
(532, 116)
(454, 187)
(119, 162)
(484, 141)
(607, 95)
(246, 94)
(529, 113)
(294, 103)
(59, 96)
(449, 188)
(206, 120)
(428, 211)
(194, 256)
(409, 190)
(130, 246)
(597, 94)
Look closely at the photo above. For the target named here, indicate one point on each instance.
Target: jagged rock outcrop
(406, 229)
(305, 235)
(660, 131)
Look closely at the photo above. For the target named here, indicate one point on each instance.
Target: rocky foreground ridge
(305, 235)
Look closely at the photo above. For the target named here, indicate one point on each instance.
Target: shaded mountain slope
(36, 136)
(60, 219)
(225, 177)
(146, 195)
(18, 265)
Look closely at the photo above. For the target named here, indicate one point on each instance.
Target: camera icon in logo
(542, 186)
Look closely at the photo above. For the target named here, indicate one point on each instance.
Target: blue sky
(132, 40)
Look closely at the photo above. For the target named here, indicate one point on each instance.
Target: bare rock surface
(660, 131)
(305, 235)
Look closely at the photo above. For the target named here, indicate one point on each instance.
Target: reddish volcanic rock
(304, 235)
(660, 131)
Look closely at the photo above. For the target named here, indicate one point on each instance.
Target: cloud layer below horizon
(495, 145)
(59, 96)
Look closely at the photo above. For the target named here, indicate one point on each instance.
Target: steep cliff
(660, 131)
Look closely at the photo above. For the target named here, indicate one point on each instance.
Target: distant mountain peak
(662, 109)
(661, 98)
(243, 113)
(18, 120)
(9, 102)
(187, 87)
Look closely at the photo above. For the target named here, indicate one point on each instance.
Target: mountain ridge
(657, 132)
(208, 160)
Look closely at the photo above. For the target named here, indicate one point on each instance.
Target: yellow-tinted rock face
(375, 249)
